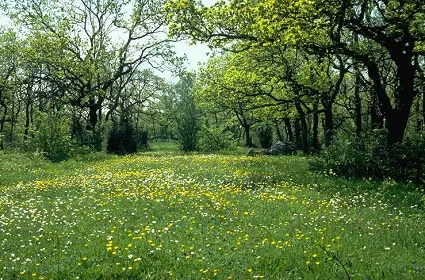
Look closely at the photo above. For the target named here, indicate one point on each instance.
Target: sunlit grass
(176, 216)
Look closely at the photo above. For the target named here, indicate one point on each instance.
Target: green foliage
(52, 137)
(187, 118)
(188, 127)
(374, 157)
(142, 139)
(215, 139)
(79, 132)
(265, 136)
(122, 138)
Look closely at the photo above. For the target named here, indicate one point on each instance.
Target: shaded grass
(175, 216)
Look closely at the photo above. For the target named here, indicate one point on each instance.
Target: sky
(195, 53)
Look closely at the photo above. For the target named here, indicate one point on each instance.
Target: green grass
(169, 215)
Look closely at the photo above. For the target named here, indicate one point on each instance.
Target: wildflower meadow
(176, 216)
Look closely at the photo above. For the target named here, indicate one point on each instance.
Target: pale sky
(194, 53)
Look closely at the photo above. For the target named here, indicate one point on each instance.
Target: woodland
(118, 162)
(341, 80)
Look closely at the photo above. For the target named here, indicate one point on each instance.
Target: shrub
(188, 128)
(374, 157)
(142, 139)
(214, 139)
(265, 136)
(122, 138)
(53, 137)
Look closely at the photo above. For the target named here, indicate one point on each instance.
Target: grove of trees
(342, 74)
(342, 79)
(73, 71)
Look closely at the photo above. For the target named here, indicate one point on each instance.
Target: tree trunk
(27, 120)
(288, 129)
(278, 131)
(2, 121)
(376, 119)
(297, 127)
(315, 140)
(92, 114)
(396, 123)
(396, 119)
(304, 128)
(357, 103)
(423, 109)
(329, 125)
(94, 111)
(418, 118)
(12, 123)
(248, 138)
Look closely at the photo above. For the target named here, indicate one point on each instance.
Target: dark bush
(142, 139)
(265, 136)
(52, 137)
(214, 139)
(374, 157)
(122, 138)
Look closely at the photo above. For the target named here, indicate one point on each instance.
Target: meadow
(167, 215)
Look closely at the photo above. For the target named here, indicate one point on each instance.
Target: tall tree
(87, 46)
(186, 115)
(393, 27)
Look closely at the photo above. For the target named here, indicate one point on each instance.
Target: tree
(85, 47)
(12, 85)
(225, 85)
(187, 116)
(394, 28)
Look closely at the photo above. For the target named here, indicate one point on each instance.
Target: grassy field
(172, 216)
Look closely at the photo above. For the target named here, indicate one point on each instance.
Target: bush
(79, 132)
(265, 136)
(122, 138)
(215, 139)
(142, 139)
(53, 137)
(188, 127)
(374, 157)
